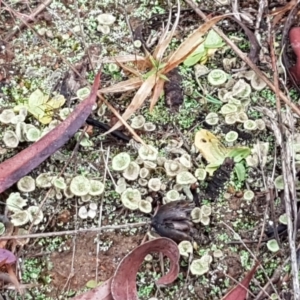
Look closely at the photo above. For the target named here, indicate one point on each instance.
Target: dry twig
(72, 232)
(32, 16)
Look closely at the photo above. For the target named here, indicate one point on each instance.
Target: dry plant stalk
(152, 83)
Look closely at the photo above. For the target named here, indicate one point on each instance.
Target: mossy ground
(61, 267)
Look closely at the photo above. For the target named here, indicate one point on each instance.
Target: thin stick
(101, 207)
(289, 187)
(72, 232)
(134, 134)
(244, 57)
(83, 36)
(261, 9)
(71, 273)
(255, 258)
(39, 9)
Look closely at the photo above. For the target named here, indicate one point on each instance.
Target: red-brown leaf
(123, 285)
(240, 291)
(7, 257)
(99, 293)
(21, 164)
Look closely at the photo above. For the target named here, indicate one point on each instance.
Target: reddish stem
(294, 36)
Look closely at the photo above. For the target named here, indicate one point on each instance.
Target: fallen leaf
(167, 36)
(122, 286)
(157, 91)
(7, 257)
(103, 292)
(25, 161)
(240, 291)
(124, 282)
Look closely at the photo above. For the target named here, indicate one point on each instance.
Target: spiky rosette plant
(151, 83)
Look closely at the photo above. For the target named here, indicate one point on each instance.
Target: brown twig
(261, 9)
(267, 288)
(254, 257)
(72, 232)
(105, 160)
(32, 16)
(289, 187)
(115, 112)
(244, 57)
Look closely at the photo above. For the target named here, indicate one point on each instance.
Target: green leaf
(148, 74)
(239, 154)
(161, 66)
(213, 40)
(240, 171)
(213, 100)
(37, 98)
(154, 63)
(164, 77)
(195, 56)
(212, 167)
(91, 284)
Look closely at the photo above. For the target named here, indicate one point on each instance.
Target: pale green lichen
(217, 77)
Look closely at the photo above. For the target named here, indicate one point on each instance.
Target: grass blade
(124, 59)
(123, 86)
(190, 44)
(156, 93)
(137, 101)
(163, 44)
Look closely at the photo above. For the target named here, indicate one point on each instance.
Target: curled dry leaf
(102, 292)
(21, 164)
(7, 257)
(122, 286)
(240, 291)
(124, 282)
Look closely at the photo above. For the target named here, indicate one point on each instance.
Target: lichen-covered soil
(40, 55)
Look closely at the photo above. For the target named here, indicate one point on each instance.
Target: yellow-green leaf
(211, 168)
(56, 102)
(196, 56)
(37, 98)
(36, 111)
(240, 171)
(210, 146)
(239, 153)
